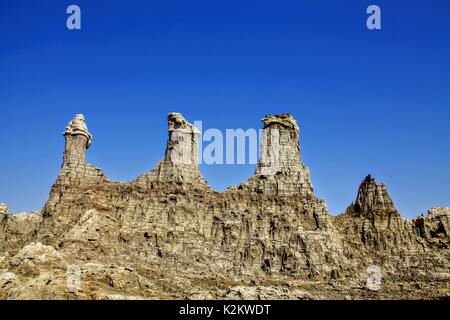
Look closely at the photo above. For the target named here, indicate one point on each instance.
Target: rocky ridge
(167, 235)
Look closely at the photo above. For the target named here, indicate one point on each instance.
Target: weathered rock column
(78, 140)
(75, 169)
(280, 149)
(182, 146)
(181, 162)
(280, 170)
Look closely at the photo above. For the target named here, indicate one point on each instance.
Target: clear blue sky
(367, 101)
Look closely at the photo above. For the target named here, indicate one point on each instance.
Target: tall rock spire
(280, 170)
(181, 161)
(75, 168)
(78, 140)
(182, 146)
(280, 149)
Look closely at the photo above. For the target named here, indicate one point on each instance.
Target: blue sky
(366, 101)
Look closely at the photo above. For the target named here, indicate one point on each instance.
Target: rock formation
(167, 235)
(180, 164)
(78, 140)
(280, 171)
(435, 226)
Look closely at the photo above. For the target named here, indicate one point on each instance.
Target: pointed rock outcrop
(373, 199)
(373, 220)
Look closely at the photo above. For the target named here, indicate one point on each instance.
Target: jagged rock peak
(77, 126)
(373, 198)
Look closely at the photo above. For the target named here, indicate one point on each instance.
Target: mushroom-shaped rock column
(78, 140)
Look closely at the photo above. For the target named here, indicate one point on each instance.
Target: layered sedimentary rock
(435, 226)
(168, 235)
(17, 229)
